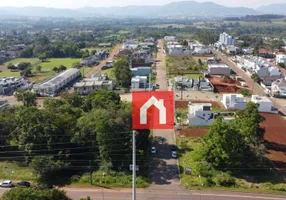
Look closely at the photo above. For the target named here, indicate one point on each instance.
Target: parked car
(174, 154)
(7, 184)
(44, 186)
(23, 183)
(153, 150)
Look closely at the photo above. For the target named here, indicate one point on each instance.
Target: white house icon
(159, 104)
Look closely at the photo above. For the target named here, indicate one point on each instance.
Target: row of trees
(70, 133)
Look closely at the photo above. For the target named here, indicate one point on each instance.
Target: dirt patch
(192, 132)
(275, 139)
(184, 104)
(3, 67)
(225, 84)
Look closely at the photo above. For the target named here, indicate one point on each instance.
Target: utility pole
(134, 166)
(90, 172)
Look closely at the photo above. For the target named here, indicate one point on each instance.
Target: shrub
(280, 187)
(246, 93)
(224, 179)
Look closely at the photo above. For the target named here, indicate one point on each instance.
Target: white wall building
(178, 50)
(278, 88)
(281, 58)
(219, 69)
(171, 39)
(139, 83)
(54, 85)
(89, 85)
(265, 104)
(234, 101)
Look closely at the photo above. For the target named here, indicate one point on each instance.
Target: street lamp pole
(134, 166)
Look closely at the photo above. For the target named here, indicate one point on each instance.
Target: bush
(224, 179)
(246, 93)
(280, 187)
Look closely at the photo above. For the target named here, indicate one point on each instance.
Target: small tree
(62, 68)
(39, 68)
(42, 57)
(281, 65)
(76, 65)
(28, 98)
(92, 52)
(55, 69)
(256, 78)
(200, 62)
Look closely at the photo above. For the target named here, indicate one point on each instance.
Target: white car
(7, 183)
(174, 154)
(153, 150)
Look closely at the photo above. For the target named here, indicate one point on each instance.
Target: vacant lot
(184, 104)
(193, 132)
(224, 84)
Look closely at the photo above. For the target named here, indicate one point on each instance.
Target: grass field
(167, 25)
(33, 61)
(264, 182)
(13, 171)
(8, 73)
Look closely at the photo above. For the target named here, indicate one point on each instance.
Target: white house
(54, 85)
(89, 85)
(265, 104)
(178, 50)
(247, 51)
(281, 58)
(219, 69)
(11, 84)
(202, 115)
(234, 101)
(171, 39)
(139, 83)
(278, 88)
(130, 44)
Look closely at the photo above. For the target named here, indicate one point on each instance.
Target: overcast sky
(108, 3)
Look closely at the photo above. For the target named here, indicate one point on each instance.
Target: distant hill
(183, 8)
(273, 9)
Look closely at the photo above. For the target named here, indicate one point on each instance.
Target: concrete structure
(130, 44)
(278, 88)
(89, 85)
(141, 71)
(247, 51)
(139, 83)
(178, 50)
(143, 55)
(265, 104)
(11, 84)
(219, 69)
(183, 82)
(171, 39)
(226, 39)
(281, 58)
(54, 85)
(234, 101)
(202, 115)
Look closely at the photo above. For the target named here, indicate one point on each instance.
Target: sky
(108, 3)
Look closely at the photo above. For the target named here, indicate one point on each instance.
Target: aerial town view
(153, 100)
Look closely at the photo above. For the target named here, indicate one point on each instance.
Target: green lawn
(13, 171)
(33, 61)
(56, 62)
(8, 73)
(108, 72)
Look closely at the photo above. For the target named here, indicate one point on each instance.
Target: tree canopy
(122, 72)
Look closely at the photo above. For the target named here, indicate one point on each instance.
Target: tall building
(227, 39)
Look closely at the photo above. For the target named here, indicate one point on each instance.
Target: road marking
(238, 196)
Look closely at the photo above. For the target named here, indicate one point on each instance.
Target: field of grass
(13, 171)
(56, 62)
(8, 73)
(33, 61)
(108, 72)
(264, 182)
(167, 25)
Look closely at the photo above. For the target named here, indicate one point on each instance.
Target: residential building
(139, 83)
(247, 51)
(234, 101)
(10, 84)
(219, 69)
(89, 61)
(265, 104)
(264, 53)
(143, 55)
(226, 39)
(54, 85)
(141, 71)
(89, 85)
(130, 44)
(281, 58)
(202, 115)
(123, 53)
(278, 88)
(183, 82)
(178, 50)
(171, 39)
(105, 45)
(203, 85)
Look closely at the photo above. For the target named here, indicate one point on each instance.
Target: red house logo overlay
(152, 110)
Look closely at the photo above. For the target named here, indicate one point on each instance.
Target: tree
(24, 65)
(42, 57)
(122, 72)
(76, 65)
(72, 99)
(255, 78)
(39, 68)
(25, 193)
(45, 167)
(27, 97)
(55, 69)
(184, 42)
(10, 66)
(26, 73)
(62, 68)
(200, 62)
(92, 52)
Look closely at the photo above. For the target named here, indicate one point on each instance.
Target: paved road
(256, 88)
(102, 63)
(164, 170)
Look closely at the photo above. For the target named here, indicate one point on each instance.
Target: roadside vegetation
(231, 156)
(71, 137)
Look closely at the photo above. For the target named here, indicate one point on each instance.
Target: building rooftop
(218, 65)
(259, 99)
